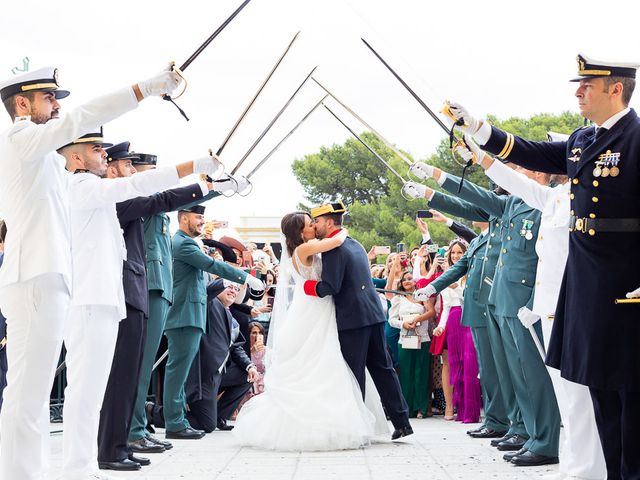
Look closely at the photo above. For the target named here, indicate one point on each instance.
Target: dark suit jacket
(347, 276)
(215, 344)
(130, 213)
(3, 321)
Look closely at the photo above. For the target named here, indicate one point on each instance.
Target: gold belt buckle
(581, 224)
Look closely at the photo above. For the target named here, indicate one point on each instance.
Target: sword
(395, 292)
(262, 162)
(366, 145)
(454, 142)
(160, 360)
(61, 367)
(386, 142)
(527, 323)
(255, 97)
(264, 132)
(199, 51)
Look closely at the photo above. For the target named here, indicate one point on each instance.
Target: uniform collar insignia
(576, 154)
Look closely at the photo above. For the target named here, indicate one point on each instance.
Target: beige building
(259, 228)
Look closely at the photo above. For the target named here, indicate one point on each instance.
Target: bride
(311, 399)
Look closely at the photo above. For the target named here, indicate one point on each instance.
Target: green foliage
(379, 214)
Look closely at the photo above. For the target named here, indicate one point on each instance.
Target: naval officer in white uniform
(35, 278)
(97, 301)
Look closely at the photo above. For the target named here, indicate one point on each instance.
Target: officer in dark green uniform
(186, 319)
(512, 288)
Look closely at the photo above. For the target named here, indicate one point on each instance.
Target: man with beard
(187, 317)
(97, 301)
(35, 282)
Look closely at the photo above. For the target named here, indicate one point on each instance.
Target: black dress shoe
(144, 445)
(487, 433)
(496, 441)
(514, 443)
(530, 459)
(157, 441)
(141, 460)
(222, 425)
(508, 456)
(401, 432)
(475, 430)
(185, 434)
(124, 465)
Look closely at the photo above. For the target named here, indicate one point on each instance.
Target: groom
(346, 276)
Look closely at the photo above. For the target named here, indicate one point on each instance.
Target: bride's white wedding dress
(311, 399)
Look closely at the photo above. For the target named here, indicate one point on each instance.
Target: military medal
(605, 172)
(526, 229)
(614, 171)
(597, 171)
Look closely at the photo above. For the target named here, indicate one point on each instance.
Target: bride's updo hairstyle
(291, 226)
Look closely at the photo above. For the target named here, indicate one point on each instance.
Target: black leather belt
(592, 226)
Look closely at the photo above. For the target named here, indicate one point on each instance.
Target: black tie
(601, 131)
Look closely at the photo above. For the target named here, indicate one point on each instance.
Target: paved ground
(438, 450)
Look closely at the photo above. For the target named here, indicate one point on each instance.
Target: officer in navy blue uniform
(347, 277)
(595, 337)
(120, 396)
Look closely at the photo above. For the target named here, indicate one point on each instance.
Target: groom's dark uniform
(346, 276)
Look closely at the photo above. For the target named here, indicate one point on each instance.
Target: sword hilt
(167, 97)
(446, 110)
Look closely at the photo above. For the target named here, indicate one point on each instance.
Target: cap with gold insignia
(93, 138)
(42, 80)
(144, 159)
(591, 68)
(120, 152)
(199, 209)
(328, 208)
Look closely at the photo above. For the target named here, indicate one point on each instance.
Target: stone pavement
(438, 450)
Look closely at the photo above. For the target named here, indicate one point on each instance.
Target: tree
(378, 213)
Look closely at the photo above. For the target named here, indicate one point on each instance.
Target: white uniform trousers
(90, 339)
(581, 453)
(36, 311)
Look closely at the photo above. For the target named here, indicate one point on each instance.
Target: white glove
(209, 165)
(243, 182)
(424, 294)
(254, 284)
(421, 170)
(634, 294)
(471, 125)
(527, 317)
(224, 185)
(414, 190)
(470, 151)
(164, 82)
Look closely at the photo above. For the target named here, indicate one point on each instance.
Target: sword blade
(213, 35)
(255, 97)
(409, 89)
(160, 360)
(264, 132)
(366, 145)
(386, 142)
(262, 162)
(395, 292)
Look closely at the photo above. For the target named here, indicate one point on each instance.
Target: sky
(494, 57)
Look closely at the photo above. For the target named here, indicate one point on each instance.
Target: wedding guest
(412, 318)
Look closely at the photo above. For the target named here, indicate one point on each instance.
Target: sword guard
(446, 110)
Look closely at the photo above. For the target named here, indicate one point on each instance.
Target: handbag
(409, 339)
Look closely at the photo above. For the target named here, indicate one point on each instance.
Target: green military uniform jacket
(473, 313)
(515, 272)
(157, 239)
(189, 307)
(464, 209)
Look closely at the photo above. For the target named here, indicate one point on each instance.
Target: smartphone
(384, 250)
(433, 248)
(400, 248)
(270, 301)
(424, 214)
(247, 259)
(442, 251)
